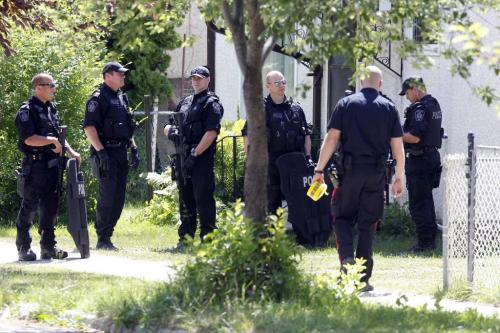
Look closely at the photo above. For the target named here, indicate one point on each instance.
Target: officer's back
(367, 120)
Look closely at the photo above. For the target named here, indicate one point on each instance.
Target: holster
(94, 166)
(389, 170)
(22, 175)
(436, 176)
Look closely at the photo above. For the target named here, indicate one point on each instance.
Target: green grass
(392, 266)
(393, 271)
(136, 238)
(52, 292)
(347, 317)
(164, 307)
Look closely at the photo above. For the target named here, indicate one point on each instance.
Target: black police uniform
(422, 167)
(367, 122)
(203, 112)
(107, 110)
(39, 166)
(287, 129)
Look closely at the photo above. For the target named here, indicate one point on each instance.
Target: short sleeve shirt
(367, 122)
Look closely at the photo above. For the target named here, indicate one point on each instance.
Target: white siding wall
(228, 78)
(301, 80)
(196, 54)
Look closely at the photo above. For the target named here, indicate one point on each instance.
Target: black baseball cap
(114, 67)
(200, 71)
(412, 81)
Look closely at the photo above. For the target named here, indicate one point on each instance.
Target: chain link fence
(471, 235)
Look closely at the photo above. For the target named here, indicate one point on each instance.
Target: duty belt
(419, 152)
(115, 143)
(40, 157)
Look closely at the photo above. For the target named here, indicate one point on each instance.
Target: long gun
(179, 157)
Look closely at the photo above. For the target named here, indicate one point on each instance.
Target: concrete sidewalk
(97, 263)
(427, 302)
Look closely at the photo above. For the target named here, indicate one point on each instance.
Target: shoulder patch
(24, 114)
(216, 107)
(92, 106)
(419, 115)
(295, 107)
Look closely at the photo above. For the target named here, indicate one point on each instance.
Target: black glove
(173, 134)
(134, 158)
(189, 164)
(104, 160)
(309, 161)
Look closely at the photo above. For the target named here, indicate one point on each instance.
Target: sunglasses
(50, 85)
(279, 83)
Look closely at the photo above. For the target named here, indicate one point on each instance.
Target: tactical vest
(118, 123)
(44, 126)
(194, 126)
(432, 138)
(286, 128)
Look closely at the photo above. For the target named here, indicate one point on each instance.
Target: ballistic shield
(311, 220)
(77, 211)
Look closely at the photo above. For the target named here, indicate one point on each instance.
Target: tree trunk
(249, 51)
(257, 159)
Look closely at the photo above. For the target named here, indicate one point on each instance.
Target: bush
(244, 260)
(137, 188)
(230, 162)
(72, 58)
(242, 263)
(397, 221)
(163, 208)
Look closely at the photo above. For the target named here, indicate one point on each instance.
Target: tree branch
(212, 26)
(268, 47)
(236, 23)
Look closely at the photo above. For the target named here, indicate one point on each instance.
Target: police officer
(37, 122)
(422, 138)
(202, 115)
(287, 130)
(366, 125)
(109, 127)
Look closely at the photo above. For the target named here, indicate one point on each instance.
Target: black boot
(105, 244)
(26, 255)
(53, 253)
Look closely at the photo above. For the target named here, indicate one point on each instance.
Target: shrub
(242, 263)
(137, 187)
(163, 208)
(72, 59)
(396, 221)
(244, 260)
(230, 162)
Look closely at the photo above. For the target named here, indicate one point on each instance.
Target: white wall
(301, 80)
(463, 111)
(196, 54)
(228, 78)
